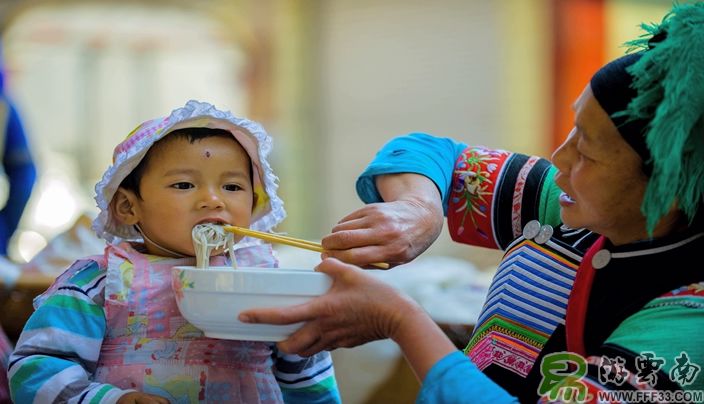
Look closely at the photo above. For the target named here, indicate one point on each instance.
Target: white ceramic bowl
(211, 299)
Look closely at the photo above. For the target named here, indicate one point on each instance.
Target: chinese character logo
(684, 372)
(647, 365)
(563, 372)
(612, 370)
(565, 369)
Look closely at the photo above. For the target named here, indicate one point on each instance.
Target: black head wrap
(656, 100)
(611, 86)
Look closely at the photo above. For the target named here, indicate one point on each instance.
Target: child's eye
(232, 187)
(183, 185)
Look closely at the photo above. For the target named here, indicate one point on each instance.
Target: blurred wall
(83, 74)
(332, 81)
(470, 70)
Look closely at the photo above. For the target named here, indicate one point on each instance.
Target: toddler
(109, 330)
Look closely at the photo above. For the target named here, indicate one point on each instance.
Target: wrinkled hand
(393, 232)
(141, 398)
(358, 308)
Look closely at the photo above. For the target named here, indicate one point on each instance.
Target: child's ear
(123, 205)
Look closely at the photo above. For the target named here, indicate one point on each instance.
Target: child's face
(187, 184)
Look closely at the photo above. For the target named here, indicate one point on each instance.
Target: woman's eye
(232, 187)
(183, 185)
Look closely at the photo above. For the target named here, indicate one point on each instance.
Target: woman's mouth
(566, 200)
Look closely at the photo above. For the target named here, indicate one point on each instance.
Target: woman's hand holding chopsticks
(294, 242)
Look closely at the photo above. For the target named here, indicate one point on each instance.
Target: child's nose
(210, 200)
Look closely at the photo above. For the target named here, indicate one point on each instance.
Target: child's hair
(134, 178)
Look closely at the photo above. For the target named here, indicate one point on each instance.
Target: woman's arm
(406, 188)
(358, 308)
(415, 180)
(361, 308)
(422, 342)
(417, 153)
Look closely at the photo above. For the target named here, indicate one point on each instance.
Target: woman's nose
(560, 157)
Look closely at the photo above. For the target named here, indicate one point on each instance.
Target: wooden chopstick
(308, 245)
(294, 242)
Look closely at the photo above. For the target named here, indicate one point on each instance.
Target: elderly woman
(600, 246)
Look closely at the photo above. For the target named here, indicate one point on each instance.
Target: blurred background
(330, 80)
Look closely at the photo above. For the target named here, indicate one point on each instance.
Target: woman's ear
(123, 206)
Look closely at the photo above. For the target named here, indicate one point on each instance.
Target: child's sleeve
(59, 347)
(306, 380)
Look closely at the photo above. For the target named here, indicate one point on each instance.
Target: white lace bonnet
(267, 213)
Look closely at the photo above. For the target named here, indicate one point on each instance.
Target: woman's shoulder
(671, 314)
(689, 296)
(669, 328)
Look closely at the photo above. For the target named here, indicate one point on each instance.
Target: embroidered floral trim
(474, 171)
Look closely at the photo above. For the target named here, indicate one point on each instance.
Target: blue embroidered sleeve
(417, 153)
(455, 379)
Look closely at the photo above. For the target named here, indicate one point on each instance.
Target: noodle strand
(208, 237)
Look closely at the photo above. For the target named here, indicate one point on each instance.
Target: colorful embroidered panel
(473, 183)
(494, 194)
(527, 300)
(689, 296)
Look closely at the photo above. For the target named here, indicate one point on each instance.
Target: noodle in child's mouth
(208, 237)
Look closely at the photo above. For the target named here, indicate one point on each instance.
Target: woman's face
(187, 184)
(601, 176)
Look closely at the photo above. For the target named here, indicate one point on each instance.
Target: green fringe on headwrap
(669, 79)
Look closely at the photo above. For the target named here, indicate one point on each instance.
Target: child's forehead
(182, 139)
(143, 138)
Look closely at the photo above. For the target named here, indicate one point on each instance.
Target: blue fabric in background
(18, 165)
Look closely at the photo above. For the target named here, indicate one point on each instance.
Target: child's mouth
(213, 222)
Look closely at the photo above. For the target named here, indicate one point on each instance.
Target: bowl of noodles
(211, 298)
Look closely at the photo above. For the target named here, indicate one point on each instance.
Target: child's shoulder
(85, 274)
